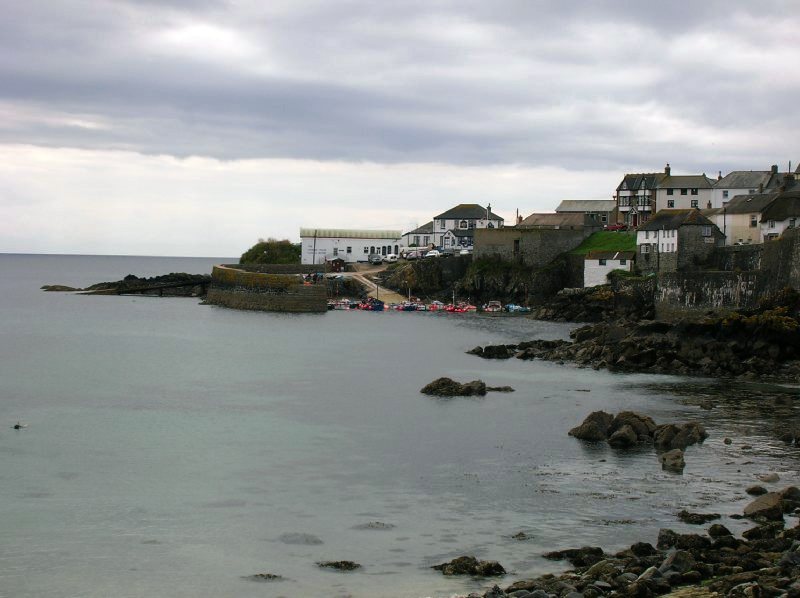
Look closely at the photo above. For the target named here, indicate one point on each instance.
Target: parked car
(447, 253)
(375, 258)
(465, 252)
(412, 255)
(616, 227)
(390, 258)
(433, 253)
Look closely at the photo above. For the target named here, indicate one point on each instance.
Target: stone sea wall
(238, 289)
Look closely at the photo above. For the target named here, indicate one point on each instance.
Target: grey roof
(341, 233)
(781, 181)
(690, 181)
(743, 179)
(786, 205)
(610, 255)
(466, 210)
(673, 219)
(586, 205)
(553, 220)
(749, 204)
(463, 232)
(425, 229)
(633, 182)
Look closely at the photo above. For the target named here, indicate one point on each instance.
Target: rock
(767, 531)
(756, 490)
(604, 568)
(374, 525)
(791, 498)
(469, 565)
(446, 387)
(697, 518)
(623, 437)
(671, 436)
(264, 577)
(642, 425)
(718, 531)
(499, 389)
(521, 536)
(727, 441)
(680, 561)
(494, 592)
(692, 542)
(339, 565)
(649, 573)
(594, 428)
(643, 549)
(769, 506)
(59, 288)
(673, 460)
(769, 478)
(498, 351)
(580, 557)
(666, 539)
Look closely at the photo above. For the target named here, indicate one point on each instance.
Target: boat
(372, 304)
(517, 309)
(493, 306)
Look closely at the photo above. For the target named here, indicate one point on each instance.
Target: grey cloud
(397, 90)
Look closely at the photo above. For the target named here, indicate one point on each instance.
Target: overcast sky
(194, 127)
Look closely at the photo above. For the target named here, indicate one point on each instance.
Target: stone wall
(737, 258)
(239, 289)
(536, 247)
(278, 268)
(680, 293)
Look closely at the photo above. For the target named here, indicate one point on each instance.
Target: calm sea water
(174, 448)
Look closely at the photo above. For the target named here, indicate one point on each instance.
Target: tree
(272, 251)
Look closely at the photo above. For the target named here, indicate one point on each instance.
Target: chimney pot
(774, 169)
(667, 169)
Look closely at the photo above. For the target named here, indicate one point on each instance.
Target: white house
(465, 217)
(740, 182)
(321, 244)
(682, 192)
(782, 214)
(598, 264)
(740, 218)
(419, 237)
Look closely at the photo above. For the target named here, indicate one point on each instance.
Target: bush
(272, 251)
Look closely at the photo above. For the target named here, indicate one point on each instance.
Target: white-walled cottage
(598, 264)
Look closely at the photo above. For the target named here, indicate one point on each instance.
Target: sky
(196, 127)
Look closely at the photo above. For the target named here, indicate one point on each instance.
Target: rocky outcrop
(446, 387)
(758, 343)
(339, 565)
(628, 428)
(176, 284)
(469, 565)
(686, 565)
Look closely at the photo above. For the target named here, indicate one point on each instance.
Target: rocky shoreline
(175, 284)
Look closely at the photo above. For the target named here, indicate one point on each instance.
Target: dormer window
(462, 224)
(490, 225)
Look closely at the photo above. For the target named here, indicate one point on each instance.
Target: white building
(321, 244)
(782, 214)
(598, 264)
(740, 182)
(465, 217)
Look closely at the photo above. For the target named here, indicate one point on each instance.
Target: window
(694, 203)
(623, 262)
(753, 221)
(772, 224)
(416, 240)
(694, 191)
(725, 194)
(647, 234)
(441, 224)
(396, 248)
(670, 191)
(602, 262)
(427, 239)
(751, 191)
(684, 192)
(670, 203)
(471, 224)
(349, 250)
(490, 225)
(645, 248)
(335, 251)
(366, 249)
(792, 222)
(604, 218)
(446, 241)
(462, 224)
(706, 231)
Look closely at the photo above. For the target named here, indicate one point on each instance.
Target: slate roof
(586, 205)
(632, 182)
(673, 219)
(786, 205)
(574, 219)
(463, 232)
(425, 229)
(466, 210)
(341, 233)
(610, 255)
(749, 204)
(744, 179)
(690, 181)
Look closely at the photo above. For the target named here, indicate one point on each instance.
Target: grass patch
(607, 241)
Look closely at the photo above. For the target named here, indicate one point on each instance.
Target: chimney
(719, 175)
(761, 187)
(667, 169)
(519, 219)
(774, 169)
(708, 205)
(488, 211)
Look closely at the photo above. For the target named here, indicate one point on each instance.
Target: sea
(177, 449)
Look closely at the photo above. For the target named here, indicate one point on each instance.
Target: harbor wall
(238, 289)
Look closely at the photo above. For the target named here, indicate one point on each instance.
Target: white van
(390, 258)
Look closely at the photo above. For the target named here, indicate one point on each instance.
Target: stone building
(602, 211)
(676, 240)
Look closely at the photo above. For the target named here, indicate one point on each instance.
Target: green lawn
(607, 241)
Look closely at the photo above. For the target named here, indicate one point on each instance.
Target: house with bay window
(462, 220)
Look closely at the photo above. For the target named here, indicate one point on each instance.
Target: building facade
(321, 244)
(597, 265)
(676, 240)
(465, 217)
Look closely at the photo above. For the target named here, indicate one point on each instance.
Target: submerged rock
(469, 565)
(697, 518)
(673, 460)
(264, 577)
(446, 387)
(339, 565)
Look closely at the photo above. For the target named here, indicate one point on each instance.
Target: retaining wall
(238, 289)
